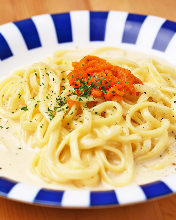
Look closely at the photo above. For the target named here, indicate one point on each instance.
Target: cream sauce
(16, 159)
(16, 156)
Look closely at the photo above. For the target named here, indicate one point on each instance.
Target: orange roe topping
(97, 77)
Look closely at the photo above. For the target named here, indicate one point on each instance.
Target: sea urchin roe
(96, 77)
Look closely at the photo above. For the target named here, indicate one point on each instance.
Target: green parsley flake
(24, 108)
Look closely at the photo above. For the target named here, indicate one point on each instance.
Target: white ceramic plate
(27, 41)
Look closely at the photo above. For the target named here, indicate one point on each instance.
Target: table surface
(163, 209)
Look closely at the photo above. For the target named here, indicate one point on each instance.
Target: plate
(26, 41)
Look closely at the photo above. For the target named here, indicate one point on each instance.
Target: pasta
(85, 140)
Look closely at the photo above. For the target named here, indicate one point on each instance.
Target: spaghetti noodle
(98, 135)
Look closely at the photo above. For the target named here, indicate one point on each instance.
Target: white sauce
(16, 157)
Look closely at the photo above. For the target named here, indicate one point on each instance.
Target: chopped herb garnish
(24, 108)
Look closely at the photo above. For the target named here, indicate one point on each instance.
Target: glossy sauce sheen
(16, 156)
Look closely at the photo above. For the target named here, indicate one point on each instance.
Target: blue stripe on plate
(29, 33)
(50, 197)
(132, 27)
(156, 189)
(103, 198)
(98, 25)
(5, 50)
(62, 23)
(6, 185)
(164, 35)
